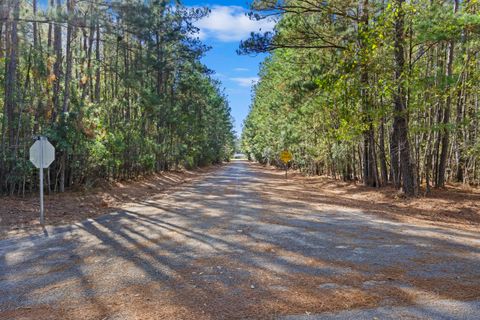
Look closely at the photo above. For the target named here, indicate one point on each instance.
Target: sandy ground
(241, 242)
(20, 215)
(455, 206)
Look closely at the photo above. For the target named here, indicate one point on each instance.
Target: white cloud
(240, 69)
(230, 24)
(220, 75)
(246, 82)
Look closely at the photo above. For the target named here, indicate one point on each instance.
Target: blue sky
(222, 30)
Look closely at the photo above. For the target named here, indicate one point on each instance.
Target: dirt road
(239, 244)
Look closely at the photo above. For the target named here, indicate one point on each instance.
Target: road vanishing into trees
(241, 243)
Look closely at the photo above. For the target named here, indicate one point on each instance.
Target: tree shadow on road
(235, 246)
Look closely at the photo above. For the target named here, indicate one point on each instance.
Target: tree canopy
(117, 86)
(382, 91)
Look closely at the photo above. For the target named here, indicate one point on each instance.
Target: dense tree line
(117, 86)
(382, 91)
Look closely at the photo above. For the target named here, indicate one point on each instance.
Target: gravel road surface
(241, 243)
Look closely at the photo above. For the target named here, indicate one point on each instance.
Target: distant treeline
(381, 91)
(116, 86)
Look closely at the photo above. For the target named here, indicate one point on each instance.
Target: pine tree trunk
(370, 176)
(3, 26)
(66, 94)
(400, 123)
(97, 67)
(11, 76)
(68, 70)
(51, 5)
(383, 156)
(86, 90)
(10, 102)
(446, 114)
(57, 66)
(461, 136)
(395, 159)
(11, 89)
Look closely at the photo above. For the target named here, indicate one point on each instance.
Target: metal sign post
(286, 157)
(42, 154)
(42, 211)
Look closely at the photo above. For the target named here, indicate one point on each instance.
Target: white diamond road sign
(42, 149)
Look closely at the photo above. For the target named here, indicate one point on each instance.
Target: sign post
(286, 157)
(42, 154)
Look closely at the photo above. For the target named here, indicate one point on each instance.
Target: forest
(117, 86)
(386, 92)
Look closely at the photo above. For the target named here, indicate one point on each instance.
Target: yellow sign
(286, 156)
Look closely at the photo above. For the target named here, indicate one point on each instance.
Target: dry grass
(454, 206)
